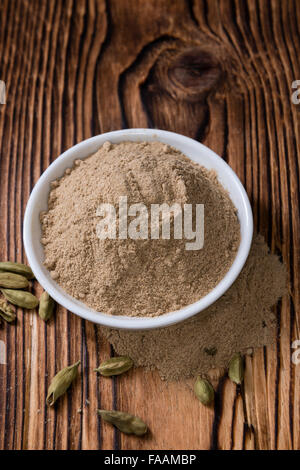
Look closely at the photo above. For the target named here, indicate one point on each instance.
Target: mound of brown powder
(136, 277)
(239, 320)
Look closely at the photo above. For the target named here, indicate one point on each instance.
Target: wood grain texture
(219, 71)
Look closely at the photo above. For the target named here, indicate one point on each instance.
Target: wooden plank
(78, 68)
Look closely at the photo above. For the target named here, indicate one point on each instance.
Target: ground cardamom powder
(142, 277)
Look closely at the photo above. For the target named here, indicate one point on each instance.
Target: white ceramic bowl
(192, 149)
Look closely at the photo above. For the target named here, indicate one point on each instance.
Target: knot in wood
(193, 74)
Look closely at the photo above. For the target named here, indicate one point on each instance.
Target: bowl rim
(121, 321)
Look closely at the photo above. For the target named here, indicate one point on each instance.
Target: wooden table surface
(220, 71)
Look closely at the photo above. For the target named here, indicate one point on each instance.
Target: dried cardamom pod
(22, 299)
(7, 312)
(236, 369)
(46, 306)
(17, 268)
(61, 382)
(13, 281)
(115, 366)
(125, 422)
(204, 391)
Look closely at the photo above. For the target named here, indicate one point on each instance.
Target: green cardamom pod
(115, 366)
(6, 312)
(22, 299)
(204, 391)
(125, 422)
(46, 306)
(236, 369)
(61, 382)
(17, 268)
(13, 281)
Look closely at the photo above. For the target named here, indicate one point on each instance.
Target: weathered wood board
(220, 71)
